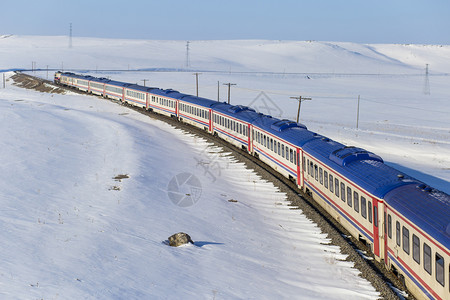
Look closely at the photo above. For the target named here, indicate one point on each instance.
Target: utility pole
(70, 36)
(144, 80)
(196, 81)
(357, 114)
(300, 99)
(426, 87)
(229, 87)
(188, 63)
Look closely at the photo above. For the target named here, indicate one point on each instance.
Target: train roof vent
(239, 108)
(168, 91)
(347, 155)
(285, 124)
(425, 188)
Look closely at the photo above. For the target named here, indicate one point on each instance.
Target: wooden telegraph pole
(196, 80)
(300, 99)
(229, 86)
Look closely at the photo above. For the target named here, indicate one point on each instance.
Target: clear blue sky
(362, 21)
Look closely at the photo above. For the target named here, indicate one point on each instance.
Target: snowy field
(404, 116)
(70, 230)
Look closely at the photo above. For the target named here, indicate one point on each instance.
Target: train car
(97, 85)
(115, 90)
(195, 111)
(417, 230)
(350, 183)
(233, 124)
(136, 95)
(164, 102)
(278, 143)
(57, 77)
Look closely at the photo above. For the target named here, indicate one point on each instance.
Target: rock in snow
(179, 239)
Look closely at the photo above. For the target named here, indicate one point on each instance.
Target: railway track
(385, 282)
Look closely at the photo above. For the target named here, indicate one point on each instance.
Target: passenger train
(405, 223)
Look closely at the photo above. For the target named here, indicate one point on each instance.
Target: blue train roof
(290, 131)
(429, 209)
(100, 80)
(137, 87)
(197, 100)
(360, 166)
(167, 93)
(240, 112)
(117, 83)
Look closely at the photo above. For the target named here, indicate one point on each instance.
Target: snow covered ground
(72, 231)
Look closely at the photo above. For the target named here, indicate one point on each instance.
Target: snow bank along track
(370, 269)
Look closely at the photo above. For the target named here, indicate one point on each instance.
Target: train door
(210, 120)
(385, 236)
(299, 173)
(376, 232)
(250, 138)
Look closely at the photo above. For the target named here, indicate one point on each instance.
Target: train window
(363, 207)
(320, 175)
(397, 233)
(311, 168)
(356, 201)
(240, 128)
(279, 147)
(331, 183)
(416, 248)
(336, 187)
(291, 154)
(375, 216)
(271, 144)
(427, 258)
(349, 196)
(295, 157)
(282, 151)
(258, 137)
(343, 191)
(316, 173)
(325, 179)
(369, 211)
(405, 237)
(303, 162)
(390, 226)
(439, 269)
(265, 143)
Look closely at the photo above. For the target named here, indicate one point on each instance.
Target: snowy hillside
(403, 115)
(71, 230)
